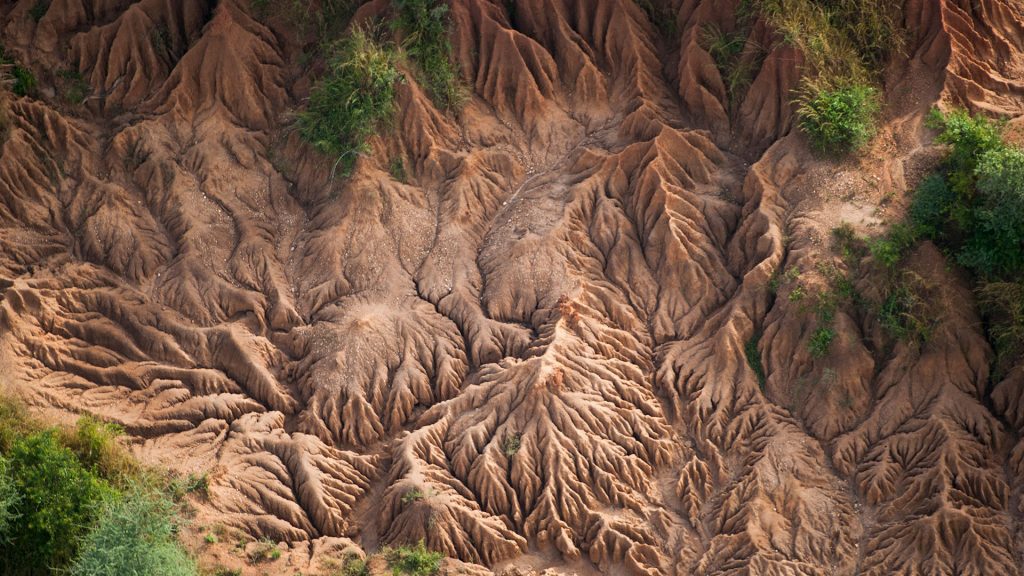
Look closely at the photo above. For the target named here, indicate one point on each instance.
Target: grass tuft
(424, 26)
(353, 99)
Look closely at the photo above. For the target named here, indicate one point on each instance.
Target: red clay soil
(530, 354)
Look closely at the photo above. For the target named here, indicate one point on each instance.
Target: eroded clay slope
(530, 353)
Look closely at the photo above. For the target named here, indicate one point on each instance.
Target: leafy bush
(94, 442)
(1003, 304)
(821, 341)
(424, 25)
(413, 560)
(994, 247)
(353, 99)
(978, 208)
(9, 499)
(264, 551)
(60, 498)
(903, 312)
(845, 43)
(135, 534)
(840, 120)
(24, 81)
(39, 9)
(753, 355)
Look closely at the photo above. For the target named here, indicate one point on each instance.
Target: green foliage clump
(660, 14)
(976, 205)
(736, 58)
(821, 341)
(135, 534)
(73, 498)
(9, 499)
(413, 560)
(890, 249)
(94, 443)
(839, 120)
(73, 87)
(844, 43)
(264, 551)
(353, 99)
(412, 496)
(512, 443)
(24, 81)
(1003, 304)
(59, 501)
(974, 208)
(39, 9)
(424, 26)
(752, 352)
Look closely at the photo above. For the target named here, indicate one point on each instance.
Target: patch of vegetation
(73, 87)
(396, 168)
(94, 443)
(39, 9)
(662, 16)
(135, 534)
(1003, 305)
(82, 505)
(354, 566)
(424, 27)
(59, 501)
(353, 99)
(752, 351)
(511, 444)
(412, 496)
(845, 44)
(821, 341)
(413, 560)
(974, 208)
(903, 312)
(9, 499)
(735, 55)
(890, 248)
(264, 551)
(325, 18)
(839, 120)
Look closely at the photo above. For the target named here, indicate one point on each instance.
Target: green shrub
(397, 169)
(845, 44)
(512, 443)
(841, 120)
(39, 9)
(9, 500)
(903, 312)
(994, 247)
(135, 534)
(354, 566)
(424, 26)
(264, 551)
(353, 99)
(753, 354)
(24, 81)
(931, 205)
(15, 423)
(1003, 305)
(976, 205)
(59, 501)
(412, 496)
(890, 249)
(413, 560)
(94, 442)
(821, 341)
